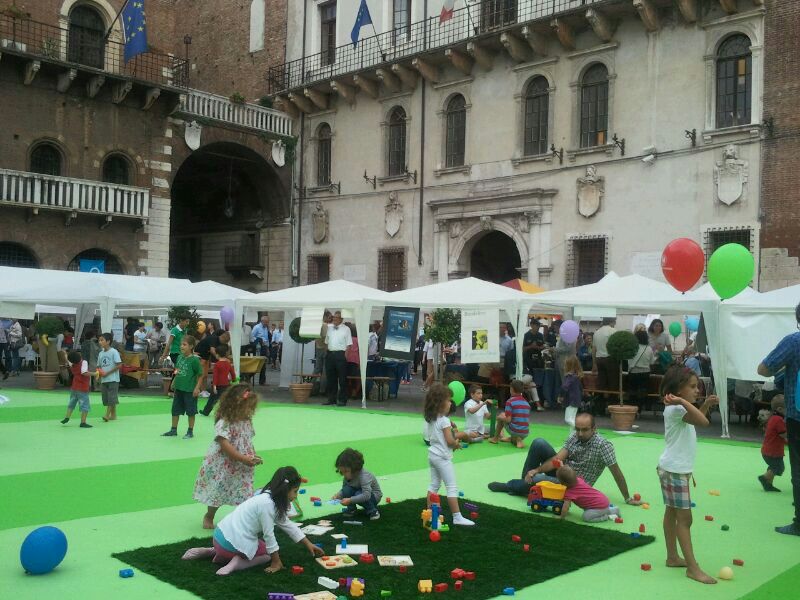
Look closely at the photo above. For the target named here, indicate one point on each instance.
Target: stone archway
(494, 257)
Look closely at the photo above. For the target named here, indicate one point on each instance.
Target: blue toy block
(434, 516)
(635, 534)
(319, 546)
(126, 573)
(509, 591)
(464, 446)
(343, 543)
(469, 507)
(693, 504)
(303, 491)
(460, 494)
(317, 502)
(279, 596)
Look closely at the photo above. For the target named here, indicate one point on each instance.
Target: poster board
(480, 336)
(311, 322)
(399, 332)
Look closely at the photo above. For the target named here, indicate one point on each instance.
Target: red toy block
(303, 480)
(297, 570)
(557, 464)
(526, 547)
(709, 518)
(738, 562)
(366, 558)
(342, 582)
(440, 587)
(388, 500)
(618, 520)
(458, 585)
(403, 568)
(473, 516)
(646, 566)
(469, 575)
(434, 498)
(516, 539)
(315, 499)
(637, 497)
(457, 573)
(641, 528)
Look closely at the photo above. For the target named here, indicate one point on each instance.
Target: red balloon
(682, 263)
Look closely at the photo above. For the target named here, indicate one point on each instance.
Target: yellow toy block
(552, 491)
(425, 586)
(356, 588)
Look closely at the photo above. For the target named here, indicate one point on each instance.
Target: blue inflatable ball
(43, 550)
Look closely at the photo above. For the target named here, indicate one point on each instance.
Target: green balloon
(730, 270)
(675, 329)
(458, 391)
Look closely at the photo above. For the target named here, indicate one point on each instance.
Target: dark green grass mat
(556, 548)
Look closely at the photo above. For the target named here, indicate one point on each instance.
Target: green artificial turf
(556, 547)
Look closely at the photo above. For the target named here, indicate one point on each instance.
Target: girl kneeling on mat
(246, 537)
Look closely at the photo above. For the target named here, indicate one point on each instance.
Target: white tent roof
(462, 293)
(782, 300)
(330, 294)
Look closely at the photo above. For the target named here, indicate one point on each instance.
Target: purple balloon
(226, 315)
(569, 331)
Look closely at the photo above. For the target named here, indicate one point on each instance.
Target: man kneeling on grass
(586, 451)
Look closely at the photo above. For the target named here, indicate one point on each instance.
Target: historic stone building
(549, 140)
(163, 165)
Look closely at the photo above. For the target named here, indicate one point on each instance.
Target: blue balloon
(43, 550)
(692, 323)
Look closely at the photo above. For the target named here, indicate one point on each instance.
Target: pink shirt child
(585, 496)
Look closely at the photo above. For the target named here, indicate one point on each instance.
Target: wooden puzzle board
(337, 562)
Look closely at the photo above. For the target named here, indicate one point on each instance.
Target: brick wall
(780, 187)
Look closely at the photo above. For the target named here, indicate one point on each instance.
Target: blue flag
(363, 18)
(134, 26)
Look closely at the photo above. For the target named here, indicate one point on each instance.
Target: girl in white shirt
(679, 390)
(246, 537)
(442, 443)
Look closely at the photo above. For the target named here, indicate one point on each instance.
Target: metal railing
(34, 190)
(470, 22)
(49, 42)
(195, 103)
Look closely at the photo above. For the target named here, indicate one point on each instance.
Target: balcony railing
(244, 257)
(48, 42)
(474, 21)
(33, 190)
(194, 103)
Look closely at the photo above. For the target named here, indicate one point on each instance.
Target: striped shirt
(519, 411)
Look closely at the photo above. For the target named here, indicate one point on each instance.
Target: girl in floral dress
(226, 476)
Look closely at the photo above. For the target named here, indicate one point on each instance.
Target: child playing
(226, 476)
(476, 411)
(679, 391)
(572, 390)
(187, 380)
(246, 537)
(222, 377)
(359, 485)
(595, 504)
(774, 441)
(108, 364)
(79, 390)
(442, 443)
(530, 393)
(516, 415)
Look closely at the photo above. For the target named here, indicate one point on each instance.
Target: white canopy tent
(338, 294)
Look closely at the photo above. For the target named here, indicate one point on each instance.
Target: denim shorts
(79, 398)
(775, 464)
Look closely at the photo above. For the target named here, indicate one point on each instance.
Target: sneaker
(189, 435)
(498, 486)
(64, 421)
(204, 394)
(86, 425)
(349, 512)
(170, 433)
(375, 516)
(539, 409)
(791, 529)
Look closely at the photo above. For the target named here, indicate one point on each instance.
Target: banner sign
(480, 336)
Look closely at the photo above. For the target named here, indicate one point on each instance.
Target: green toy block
(385, 593)
(492, 419)
(444, 527)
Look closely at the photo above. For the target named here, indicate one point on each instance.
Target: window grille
(401, 21)
(497, 13)
(324, 154)
(17, 255)
(46, 159)
(328, 33)
(319, 268)
(116, 169)
(587, 260)
(536, 108)
(392, 269)
(86, 37)
(594, 106)
(456, 115)
(734, 85)
(397, 142)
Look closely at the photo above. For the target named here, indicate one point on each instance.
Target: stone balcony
(223, 111)
(75, 198)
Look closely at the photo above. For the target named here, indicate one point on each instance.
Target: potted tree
(48, 329)
(300, 391)
(622, 346)
(443, 329)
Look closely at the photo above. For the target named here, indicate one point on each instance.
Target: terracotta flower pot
(45, 380)
(622, 416)
(300, 391)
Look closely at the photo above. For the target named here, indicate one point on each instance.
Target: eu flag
(134, 25)
(362, 18)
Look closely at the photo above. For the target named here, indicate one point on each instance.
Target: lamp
(619, 143)
(692, 135)
(371, 180)
(558, 153)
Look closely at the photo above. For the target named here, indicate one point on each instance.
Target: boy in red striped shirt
(516, 417)
(79, 390)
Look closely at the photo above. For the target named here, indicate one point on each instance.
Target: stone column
(545, 266)
(444, 250)
(533, 219)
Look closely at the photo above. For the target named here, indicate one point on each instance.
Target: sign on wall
(92, 266)
(480, 336)
(399, 332)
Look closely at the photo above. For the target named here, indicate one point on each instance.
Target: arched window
(734, 85)
(110, 262)
(86, 36)
(594, 106)
(397, 141)
(17, 255)
(324, 154)
(46, 159)
(537, 98)
(116, 169)
(456, 131)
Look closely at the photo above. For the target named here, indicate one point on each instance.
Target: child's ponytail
(283, 481)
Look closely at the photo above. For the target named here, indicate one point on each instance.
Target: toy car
(546, 495)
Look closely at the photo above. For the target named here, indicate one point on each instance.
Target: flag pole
(377, 41)
(114, 22)
(469, 16)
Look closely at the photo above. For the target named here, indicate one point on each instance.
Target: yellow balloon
(44, 340)
(201, 327)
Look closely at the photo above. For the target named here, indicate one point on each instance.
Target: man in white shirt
(606, 368)
(372, 352)
(337, 338)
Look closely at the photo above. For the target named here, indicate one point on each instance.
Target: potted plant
(443, 329)
(622, 346)
(237, 98)
(300, 391)
(48, 329)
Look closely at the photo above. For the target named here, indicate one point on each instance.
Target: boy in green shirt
(186, 383)
(173, 346)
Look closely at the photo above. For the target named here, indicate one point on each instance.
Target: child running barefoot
(442, 443)
(679, 391)
(246, 537)
(359, 485)
(572, 390)
(516, 416)
(476, 411)
(595, 504)
(774, 441)
(79, 390)
(226, 476)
